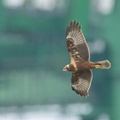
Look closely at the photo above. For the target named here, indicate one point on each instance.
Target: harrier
(80, 64)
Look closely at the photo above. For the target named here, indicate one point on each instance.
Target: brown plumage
(80, 64)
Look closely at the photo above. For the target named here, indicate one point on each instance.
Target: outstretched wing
(81, 82)
(76, 43)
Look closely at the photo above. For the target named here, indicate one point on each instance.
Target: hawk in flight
(80, 64)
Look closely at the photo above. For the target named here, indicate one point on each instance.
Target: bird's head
(69, 67)
(66, 68)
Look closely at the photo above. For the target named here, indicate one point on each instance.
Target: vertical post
(112, 27)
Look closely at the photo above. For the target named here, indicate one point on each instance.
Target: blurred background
(33, 53)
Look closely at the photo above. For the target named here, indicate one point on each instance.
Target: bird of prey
(80, 64)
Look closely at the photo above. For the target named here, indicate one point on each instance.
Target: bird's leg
(95, 65)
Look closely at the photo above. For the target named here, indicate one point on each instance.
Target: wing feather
(75, 39)
(81, 82)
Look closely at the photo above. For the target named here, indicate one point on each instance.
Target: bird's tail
(104, 64)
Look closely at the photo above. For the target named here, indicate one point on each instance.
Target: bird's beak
(64, 69)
